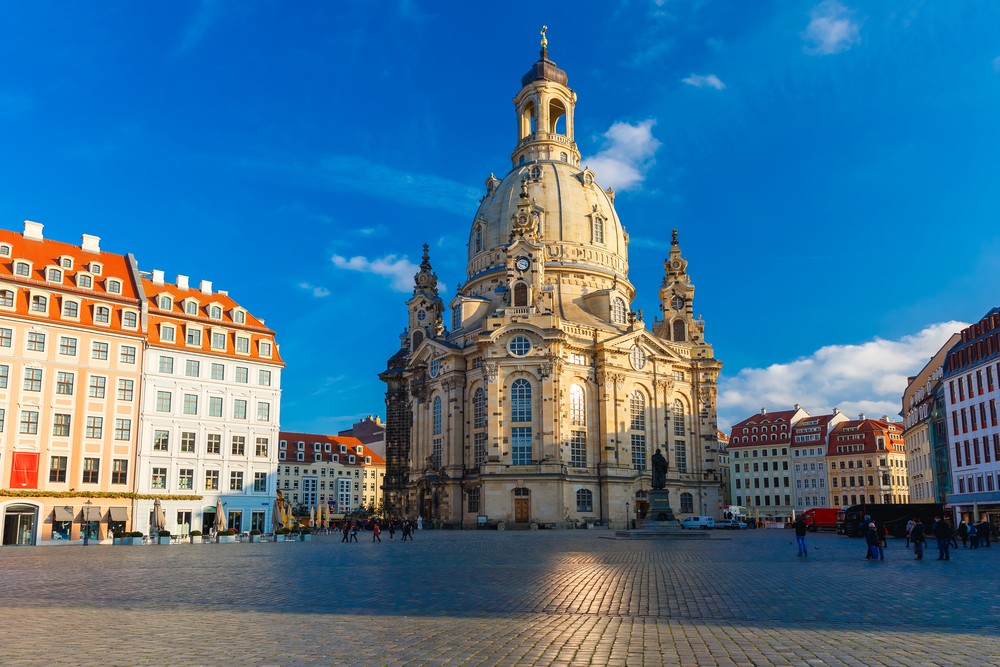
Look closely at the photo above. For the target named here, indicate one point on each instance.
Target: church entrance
(522, 505)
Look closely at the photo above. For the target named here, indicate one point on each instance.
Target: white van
(703, 522)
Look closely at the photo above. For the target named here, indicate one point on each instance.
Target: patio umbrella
(159, 517)
(312, 515)
(220, 517)
(277, 516)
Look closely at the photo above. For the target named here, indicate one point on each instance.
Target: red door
(24, 470)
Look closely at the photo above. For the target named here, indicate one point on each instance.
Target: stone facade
(547, 398)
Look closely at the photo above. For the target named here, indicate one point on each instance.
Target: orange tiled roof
(868, 428)
(351, 443)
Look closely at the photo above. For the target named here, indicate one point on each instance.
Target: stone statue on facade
(659, 471)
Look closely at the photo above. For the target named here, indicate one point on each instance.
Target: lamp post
(628, 517)
(86, 523)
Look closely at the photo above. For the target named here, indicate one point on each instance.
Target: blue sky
(831, 166)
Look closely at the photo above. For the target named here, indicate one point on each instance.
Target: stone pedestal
(660, 523)
(659, 508)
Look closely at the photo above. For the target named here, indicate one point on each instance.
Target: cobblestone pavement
(499, 598)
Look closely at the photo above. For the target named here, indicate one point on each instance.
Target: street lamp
(86, 523)
(628, 517)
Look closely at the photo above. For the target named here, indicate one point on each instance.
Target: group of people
(350, 529)
(974, 534)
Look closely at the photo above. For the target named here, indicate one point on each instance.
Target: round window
(421, 315)
(435, 367)
(638, 358)
(519, 346)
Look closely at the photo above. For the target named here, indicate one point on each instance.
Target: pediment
(651, 343)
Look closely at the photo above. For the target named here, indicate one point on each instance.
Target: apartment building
(810, 439)
(866, 461)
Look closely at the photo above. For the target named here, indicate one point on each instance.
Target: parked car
(703, 522)
(731, 524)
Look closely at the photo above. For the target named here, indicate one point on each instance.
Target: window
(91, 471)
(64, 383)
(680, 456)
(4, 372)
(519, 346)
(161, 441)
(60, 426)
(159, 480)
(84, 281)
(114, 287)
(263, 411)
(218, 340)
(192, 368)
(520, 440)
(211, 480)
(163, 401)
(29, 422)
(39, 304)
(36, 341)
(242, 345)
(22, 269)
(598, 229)
(578, 449)
(577, 406)
(260, 482)
(618, 312)
(191, 308)
(95, 427)
(190, 404)
(242, 374)
(95, 268)
(102, 315)
(479, 408)
(215, 313)
(214, 443)
(123, 429)
(520, 401)
(99, 351)
(239, 445)
(5, 335)
(167, 333)
(679, 419)
(7, 298)
(218, 372)
(264, 378)
(637, 409)
(638, 358)
(57, 469)
(437, 415)
(520, 295)
(239, 409)
(193, 336)
(129, 319)
(262, 447)
(473, 496)
(97, 386)
(125, 390)
(185, 478)
(687, 503)
(638, 452)
(236, 480)
(479, 452)
(55, 275)
(584, 500)
(264, 348)
(215, 406)
(127, 354)
(165, 303)
(435, 453)
(33, 379)
(679, 335)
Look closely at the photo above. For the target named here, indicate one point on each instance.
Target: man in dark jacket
(917, 535)
(984, 532)
(942, 531)
(800, 537)
(872, 540)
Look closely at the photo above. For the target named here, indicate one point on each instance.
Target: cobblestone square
(499, 598)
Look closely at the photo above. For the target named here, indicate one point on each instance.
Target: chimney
(885, 418)
(157, 277)
(90, 243)
(797, 407)
(836, 411)
(33, 230)
(206, 286)
(763, 411)
(861, 416)
(224, 292)
(182, 282)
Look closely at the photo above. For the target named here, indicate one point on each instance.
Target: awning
(95, 513)
(119, 514)
(63, 514)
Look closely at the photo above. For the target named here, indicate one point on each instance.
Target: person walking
(917, 534)
(871, 539)
(376, 531)
(354, 531)
(392, 529)
(800, 537)
(346, 534)
(984, 533)
(963, 534)
(973, 536)
(407, 531)
(909, 530)
(883, 535)
(943, 533)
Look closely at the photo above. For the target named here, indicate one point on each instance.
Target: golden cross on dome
(545, 42)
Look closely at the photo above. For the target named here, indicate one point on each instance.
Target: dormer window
(265, 349)
(84, 281)
(95, 268)
(193, 336)
(114, 287)
(167, 333)
(5, 250)
(317, 457)
(130, 319)
(39, 304)
(218, 340)
(66, 262)
(55, 275)
(299, 456)
(165, 303)
(191, 308)
(242, 345)
(326, 447)
(335, 459)
(359, 449)
(300, 445)
(71, 309)
(102, 315)
(7, 298)
(22, 269)
(343, 449)
(282, 444)
(317, 447)
(239, 317)
(215, 313)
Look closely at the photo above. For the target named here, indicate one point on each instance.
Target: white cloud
(831, 30)
(868, 378)
(626, 155)
(316, 290)
(996, 64)
(699, 81)
(399, 270)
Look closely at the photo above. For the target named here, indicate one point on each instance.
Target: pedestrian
(909, 530)
(917, 534)
(346, 534)
(800, 536)
(871, 539)
(943, 533)
(984, 533)
(963, 534)
(973, 536)
(883, 537)
(392, 530)
(354, 531)
(375, 532)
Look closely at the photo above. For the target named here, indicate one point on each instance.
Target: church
(542, 396)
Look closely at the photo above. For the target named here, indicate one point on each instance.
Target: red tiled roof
(869, 429)
(351, 443)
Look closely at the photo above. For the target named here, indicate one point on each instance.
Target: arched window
(191, 308)
(437, 415)
(618, 310)
(456, 318)
(7, 298)
(479, 238)
(679, 336)
(39, 303)
(577, 406)
(418, 338)
(557, 111)
(637, 409)
(520, 401)
(216, 313)
(598, 229)
(687, 503)
(679, 418)
(527, 119)
(584, 500)
(564, 157)
(479, 409)
(520, 295)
